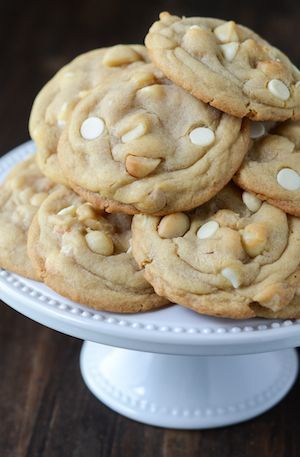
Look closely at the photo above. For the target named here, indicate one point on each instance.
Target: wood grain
(45, 409)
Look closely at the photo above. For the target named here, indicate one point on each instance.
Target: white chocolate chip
(254, 238)
(135, 133)
(37, 199)
(251, 201)
(65, 112)
(207, 230)
(231, 276)
(288, 179)
(226, 32)
(279, 89)
(229, 50)
(85, 211)
(100, 243)
(154, 90)
(202, 136)
(68, 211)
(120, 55)
(139, 167)
(173, 225)
(257, 130)
(194, 27)
(92, 128)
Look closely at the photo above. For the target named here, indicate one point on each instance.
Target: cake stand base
(187, 392)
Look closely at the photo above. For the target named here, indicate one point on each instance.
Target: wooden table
(45, 409)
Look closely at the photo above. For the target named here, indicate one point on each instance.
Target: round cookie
(226, 65)
(148, 146)
(222, 258)
(271, 169)
(21, 194)
(86, 255)
(55, 102)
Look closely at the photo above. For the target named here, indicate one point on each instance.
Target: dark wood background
(45, 409)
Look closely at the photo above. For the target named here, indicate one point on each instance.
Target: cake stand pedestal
(187, 392)
(172, 367)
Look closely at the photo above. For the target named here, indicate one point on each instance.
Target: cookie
(271, 169)
(291, 311)
(223, 258)
(21, 194)
(55, 102)
(226, 65)
(86, 256)
(148, 146)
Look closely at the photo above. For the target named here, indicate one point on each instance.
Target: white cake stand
(172, 367)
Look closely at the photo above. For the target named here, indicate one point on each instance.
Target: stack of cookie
(129, 204)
